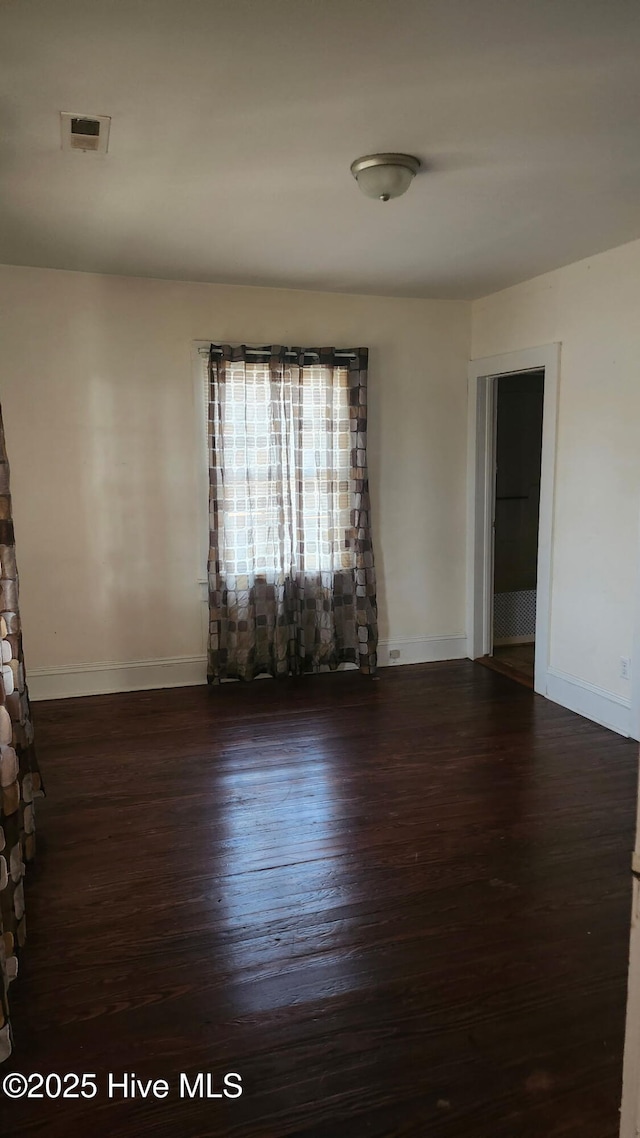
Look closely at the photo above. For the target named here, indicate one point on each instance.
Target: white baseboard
(71, 680)
(422, 650)
(603, 707)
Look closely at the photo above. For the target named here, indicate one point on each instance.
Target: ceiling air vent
(85, 132)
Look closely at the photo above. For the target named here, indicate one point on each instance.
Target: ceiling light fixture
(385, 176)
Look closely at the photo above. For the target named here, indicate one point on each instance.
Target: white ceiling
(234, 123)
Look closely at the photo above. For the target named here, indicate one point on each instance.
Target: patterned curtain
(291, 574)
(19, 777)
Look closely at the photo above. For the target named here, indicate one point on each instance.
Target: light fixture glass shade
(385, 176)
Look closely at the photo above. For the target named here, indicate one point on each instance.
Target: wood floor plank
(396, 907)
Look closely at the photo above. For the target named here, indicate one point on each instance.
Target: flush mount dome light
(385, 176)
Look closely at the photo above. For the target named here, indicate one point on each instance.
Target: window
(283, 465)
(291, 578)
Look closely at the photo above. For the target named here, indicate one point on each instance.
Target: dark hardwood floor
(395, 907)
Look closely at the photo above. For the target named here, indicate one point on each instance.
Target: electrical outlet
(394, 654)
(625, 668)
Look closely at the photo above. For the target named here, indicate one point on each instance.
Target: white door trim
(634, 725)
(630, 1109)
(481, 494)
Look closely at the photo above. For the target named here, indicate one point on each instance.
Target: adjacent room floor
(516, 661)
(394, 907)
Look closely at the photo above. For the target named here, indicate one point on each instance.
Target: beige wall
(97, 395)
(593, 309)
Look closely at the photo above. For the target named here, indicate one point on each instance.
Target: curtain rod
(294, 355)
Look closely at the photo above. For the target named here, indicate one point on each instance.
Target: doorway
(512, 417)
(518, 457)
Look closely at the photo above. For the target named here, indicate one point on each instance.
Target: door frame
(481, 440)
(634, 726)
